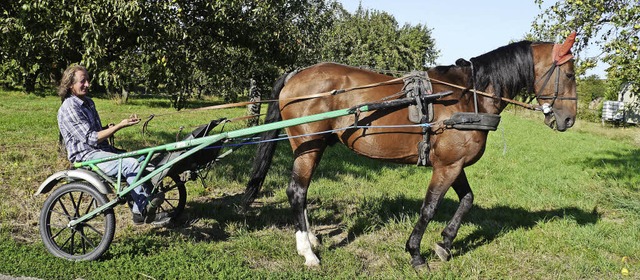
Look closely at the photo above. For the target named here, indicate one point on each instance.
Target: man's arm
(112, 129)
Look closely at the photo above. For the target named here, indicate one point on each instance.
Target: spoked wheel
(85, 241)
(175, 196)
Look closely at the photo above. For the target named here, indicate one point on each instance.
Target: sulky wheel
(85, 241)
(175, 196)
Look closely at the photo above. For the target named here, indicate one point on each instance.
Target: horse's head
(555, 85)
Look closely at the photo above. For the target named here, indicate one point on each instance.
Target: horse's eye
(570, 76)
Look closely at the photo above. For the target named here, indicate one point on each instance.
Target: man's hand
(111, 128)
(132, 120)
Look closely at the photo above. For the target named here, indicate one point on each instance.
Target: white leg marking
(312, 237)
(304, 249)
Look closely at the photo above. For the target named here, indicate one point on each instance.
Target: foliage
(196, 47)
(612, 26)
(30, 39)
(591, 92)
(373, 39)
(179, 46)
(590, 88)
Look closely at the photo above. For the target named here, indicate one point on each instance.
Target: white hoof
(303, 246)
(315, 243)
(312, 261)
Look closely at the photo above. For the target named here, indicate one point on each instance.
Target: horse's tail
(265, 150)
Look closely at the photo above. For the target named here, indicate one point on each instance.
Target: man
(85, 139)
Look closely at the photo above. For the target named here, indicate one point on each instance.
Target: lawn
(548, 205)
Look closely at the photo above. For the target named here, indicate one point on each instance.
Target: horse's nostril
(569, 122)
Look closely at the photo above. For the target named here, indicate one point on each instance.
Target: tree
(612, 26)
(41, 38)
(187, 47)
(591, 88)
(591, 91)
(260, 39)
(181, 46)
(373, 39)
(30, 40)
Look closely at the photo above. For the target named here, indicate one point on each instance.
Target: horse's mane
(509, 69)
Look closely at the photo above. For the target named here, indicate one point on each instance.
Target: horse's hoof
(312, 262)
(443, 253)
(418, 262)
(422, 269)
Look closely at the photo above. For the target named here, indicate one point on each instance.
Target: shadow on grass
(209, 219)
(491, 222)
(221, 213)
(497, 221)
(370, 215)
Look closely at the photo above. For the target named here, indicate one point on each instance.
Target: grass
(548, 205)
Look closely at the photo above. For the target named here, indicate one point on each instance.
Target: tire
(175, 197)
(87, 240)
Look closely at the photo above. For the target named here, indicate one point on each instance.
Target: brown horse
(544, 69)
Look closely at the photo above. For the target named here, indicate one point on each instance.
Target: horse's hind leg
(303, 168)
(462, 188)
(441, 180)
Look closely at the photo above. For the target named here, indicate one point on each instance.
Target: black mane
(509, 69)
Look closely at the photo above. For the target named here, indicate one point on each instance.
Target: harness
(417, 86)
(546, 108)
(419, 99)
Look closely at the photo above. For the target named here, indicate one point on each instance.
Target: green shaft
(196, 145)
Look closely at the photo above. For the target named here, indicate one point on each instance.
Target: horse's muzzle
(558, 122)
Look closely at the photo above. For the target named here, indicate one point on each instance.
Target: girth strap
(418, 86)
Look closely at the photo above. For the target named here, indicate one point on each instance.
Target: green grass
(548, 205)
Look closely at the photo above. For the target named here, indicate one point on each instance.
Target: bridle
(546, 107)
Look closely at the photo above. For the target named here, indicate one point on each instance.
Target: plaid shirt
(79, 124)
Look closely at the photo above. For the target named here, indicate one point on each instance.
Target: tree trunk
(253, 109)
(30, 82)
(125, 95)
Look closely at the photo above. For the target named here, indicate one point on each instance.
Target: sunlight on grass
(547, 205)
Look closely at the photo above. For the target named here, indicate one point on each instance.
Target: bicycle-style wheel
(175, 196)
(85, 241)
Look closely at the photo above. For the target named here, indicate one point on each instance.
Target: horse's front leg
(297, 193)
(463, 190)
(441, 180)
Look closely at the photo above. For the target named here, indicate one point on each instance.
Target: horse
(543, 69)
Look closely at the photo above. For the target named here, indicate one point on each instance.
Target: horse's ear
(562, 53)
(461, 62)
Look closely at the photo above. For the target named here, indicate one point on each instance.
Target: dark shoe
(150, 216)
(155, 202)
(138, 219)
(154, 219)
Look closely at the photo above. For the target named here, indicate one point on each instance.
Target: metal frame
(192, 146)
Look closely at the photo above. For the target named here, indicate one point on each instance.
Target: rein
(485, 94)
(312, 96)
(239, 104)
(546, 108)
(353, 126)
